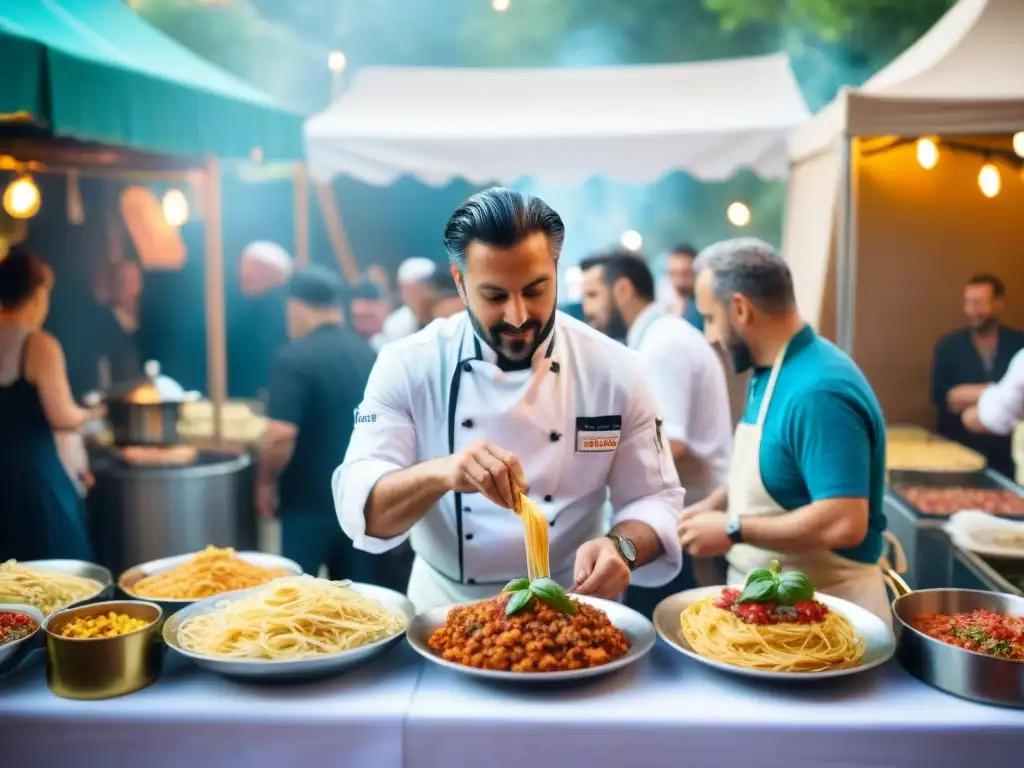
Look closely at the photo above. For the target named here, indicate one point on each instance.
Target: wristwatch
(732, 530)
(625, 548)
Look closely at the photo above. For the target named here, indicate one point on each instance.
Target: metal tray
(985, 480)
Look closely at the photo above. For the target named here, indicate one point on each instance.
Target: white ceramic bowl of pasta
(288, 670)
(880, 643)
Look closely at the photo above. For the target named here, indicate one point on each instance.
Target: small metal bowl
(13, 652)
(133, 575)
(104, 667)
(81, 568)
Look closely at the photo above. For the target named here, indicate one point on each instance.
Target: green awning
(93, 71)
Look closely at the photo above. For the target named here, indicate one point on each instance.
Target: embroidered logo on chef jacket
(595, 434)
(363, 418)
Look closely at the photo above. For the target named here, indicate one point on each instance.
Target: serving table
(190, 719)
(671, 711)
(395, 712)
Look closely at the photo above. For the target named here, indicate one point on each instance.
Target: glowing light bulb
(738, 214)
(336, 61)
(927, 153)
(21, 198)
(175, 207)
(500, 5)
(1018, 143)
(989, 181)
(631, 240)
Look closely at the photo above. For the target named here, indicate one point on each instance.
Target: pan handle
(895, 582)
(891, 570)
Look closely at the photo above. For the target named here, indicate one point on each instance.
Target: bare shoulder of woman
(46, 369)
(44, 356)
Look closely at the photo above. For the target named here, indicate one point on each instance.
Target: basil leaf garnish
(552, 593)
(759, 592)
(518, 601)
(795, 587)
(517, 584)
(758, 574)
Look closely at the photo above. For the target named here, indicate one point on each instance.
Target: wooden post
(216, 320)
(336, 230)
(300, 199)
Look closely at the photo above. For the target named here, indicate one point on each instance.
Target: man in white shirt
(417, 301)
(510, 393)
(681, 367)
(1001, 405)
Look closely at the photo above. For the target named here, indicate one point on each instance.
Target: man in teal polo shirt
(808, 469)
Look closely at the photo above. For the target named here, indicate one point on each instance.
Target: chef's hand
(266, 501)
(702, 534)
(600, 570)
(964, 396)
(485, 468)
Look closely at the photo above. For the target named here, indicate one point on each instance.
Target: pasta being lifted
(773, 623)
(535, 526)
(295, 618)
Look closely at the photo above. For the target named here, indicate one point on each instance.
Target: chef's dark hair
(21, 274)
(502, 218)
(620, 263)
(683, 249)
(751, 267)
(997, 285)
(443, 284)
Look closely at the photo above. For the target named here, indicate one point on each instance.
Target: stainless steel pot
(958, 671)
(147, 412)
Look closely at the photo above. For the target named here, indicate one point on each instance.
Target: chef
(807, 478)
(510, 393)
(1001, 405)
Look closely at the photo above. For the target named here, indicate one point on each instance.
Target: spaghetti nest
(828, 642)
(210, 572)
(290, 619)
(47, 591)
(541, 639)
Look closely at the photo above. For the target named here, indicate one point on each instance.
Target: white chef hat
(418, 269)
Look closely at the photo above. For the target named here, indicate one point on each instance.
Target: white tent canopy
(861, 211)
(560, 126)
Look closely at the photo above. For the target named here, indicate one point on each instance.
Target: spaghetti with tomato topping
(803, 637)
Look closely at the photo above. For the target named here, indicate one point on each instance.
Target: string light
(21, 198)
(1018, 143)
(738, 214)
(927, 153)
(336, 61)
(500, 5)
(175, 207)
(631, 240)
(989, 181)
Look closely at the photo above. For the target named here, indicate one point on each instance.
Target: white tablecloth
(191, 719)
(672, 712)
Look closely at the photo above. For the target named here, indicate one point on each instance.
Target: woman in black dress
(40, 512)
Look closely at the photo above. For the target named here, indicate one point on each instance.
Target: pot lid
(154, 388)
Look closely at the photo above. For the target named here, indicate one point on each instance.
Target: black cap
(316, 286)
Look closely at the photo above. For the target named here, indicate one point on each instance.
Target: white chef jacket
(581, 421)
(1002, 404)
(688, 382)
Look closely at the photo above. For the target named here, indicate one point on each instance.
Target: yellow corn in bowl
(103, 650)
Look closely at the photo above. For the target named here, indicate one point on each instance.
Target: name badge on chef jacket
(596, 434)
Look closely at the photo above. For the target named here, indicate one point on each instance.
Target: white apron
(860, 583)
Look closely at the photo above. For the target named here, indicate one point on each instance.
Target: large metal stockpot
(958, 671)
(146, 412)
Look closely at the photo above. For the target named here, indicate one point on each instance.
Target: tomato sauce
(982, 631)
(14, 626)
(806, 612)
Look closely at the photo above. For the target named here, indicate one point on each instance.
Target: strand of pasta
(535, 528)
(785, 647)
(46, 590)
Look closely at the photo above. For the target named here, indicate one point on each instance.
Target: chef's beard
(986, 324)
(739, 352)
(521, 356)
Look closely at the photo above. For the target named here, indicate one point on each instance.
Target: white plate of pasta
(819, 638)
(293, 628)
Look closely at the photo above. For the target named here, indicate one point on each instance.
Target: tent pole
(216, 332)
(846, 267)
(336, 230)
(300, 181)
